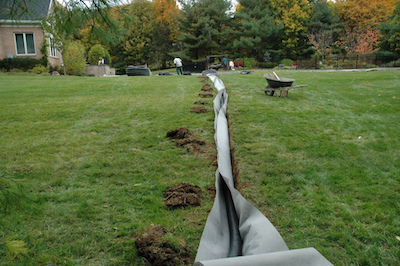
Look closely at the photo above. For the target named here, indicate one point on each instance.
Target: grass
(91, 153)
(323, 164)
(93, 157)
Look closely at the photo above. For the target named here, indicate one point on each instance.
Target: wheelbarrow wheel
(270, 92)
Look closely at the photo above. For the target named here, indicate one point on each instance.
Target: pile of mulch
(198, 109)
(157, 249)
(182, 195)
(184, 138)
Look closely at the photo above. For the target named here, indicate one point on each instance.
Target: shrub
(308, 64)
(74, 58)
(250, 62)
(21, 63)
(287, 62)
(39, 69)
(238, 63)
(267, 64)
(57, 68)
(267, 57)
(16, 70)
(97, 53)
(393, 64)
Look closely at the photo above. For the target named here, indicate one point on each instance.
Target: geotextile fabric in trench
(237, 233)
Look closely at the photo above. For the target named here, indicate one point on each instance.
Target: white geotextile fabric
(237, 233)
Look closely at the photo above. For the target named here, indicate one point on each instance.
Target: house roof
(17, 10)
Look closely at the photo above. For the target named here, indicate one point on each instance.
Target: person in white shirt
(231, 65)
(178, 66)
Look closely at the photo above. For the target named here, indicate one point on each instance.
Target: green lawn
(93, 157)
(93, 160)
(324, 164)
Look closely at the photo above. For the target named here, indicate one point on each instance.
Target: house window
(25, 43)
(52, 49)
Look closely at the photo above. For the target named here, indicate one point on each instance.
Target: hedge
(23, 64)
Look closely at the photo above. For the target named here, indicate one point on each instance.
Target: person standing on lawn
(224, 63)
(178, 65)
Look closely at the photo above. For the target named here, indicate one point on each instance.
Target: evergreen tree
(203, 24)
(256, 30)
(323, 27)
(390, 40)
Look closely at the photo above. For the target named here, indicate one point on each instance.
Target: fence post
(357, 61)
(337, 62)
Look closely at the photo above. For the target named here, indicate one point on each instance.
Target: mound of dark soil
(157, 248)
(206, 87)
(202, 102)
(206, 94)
(182, 195)
(179, 133)
(212, 191)
(190, 140)
(183, 137)
(198, 109)
(203, 78)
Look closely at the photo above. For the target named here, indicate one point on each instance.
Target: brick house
(22, 35)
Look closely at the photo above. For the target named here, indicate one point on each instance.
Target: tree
(68, 22)
(294, 15)
(256, 30)
(165, 32)
(365, 14)
(357, 40)
(203, 25)
(74, 58)
(97, 53)
(322, 27)
(390, 38)
(166, 14)
(139, 25)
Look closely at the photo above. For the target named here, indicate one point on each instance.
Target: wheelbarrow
(279, 83)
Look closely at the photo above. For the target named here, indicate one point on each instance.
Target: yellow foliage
(166, 12)
(294, 15)
(364, 13)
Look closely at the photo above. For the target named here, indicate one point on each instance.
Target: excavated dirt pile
(206, 87)
(202, 102)
(198, 109)
(183, 137)
(158, 247)
(206, 94)
(179, 133)
(182, 195)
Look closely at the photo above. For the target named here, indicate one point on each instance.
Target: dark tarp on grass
(237, 233)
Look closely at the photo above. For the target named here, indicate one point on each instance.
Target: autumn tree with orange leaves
(362, 19)
(166, 14)
(359, 41)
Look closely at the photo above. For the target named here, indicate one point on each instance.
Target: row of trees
(155, 31)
